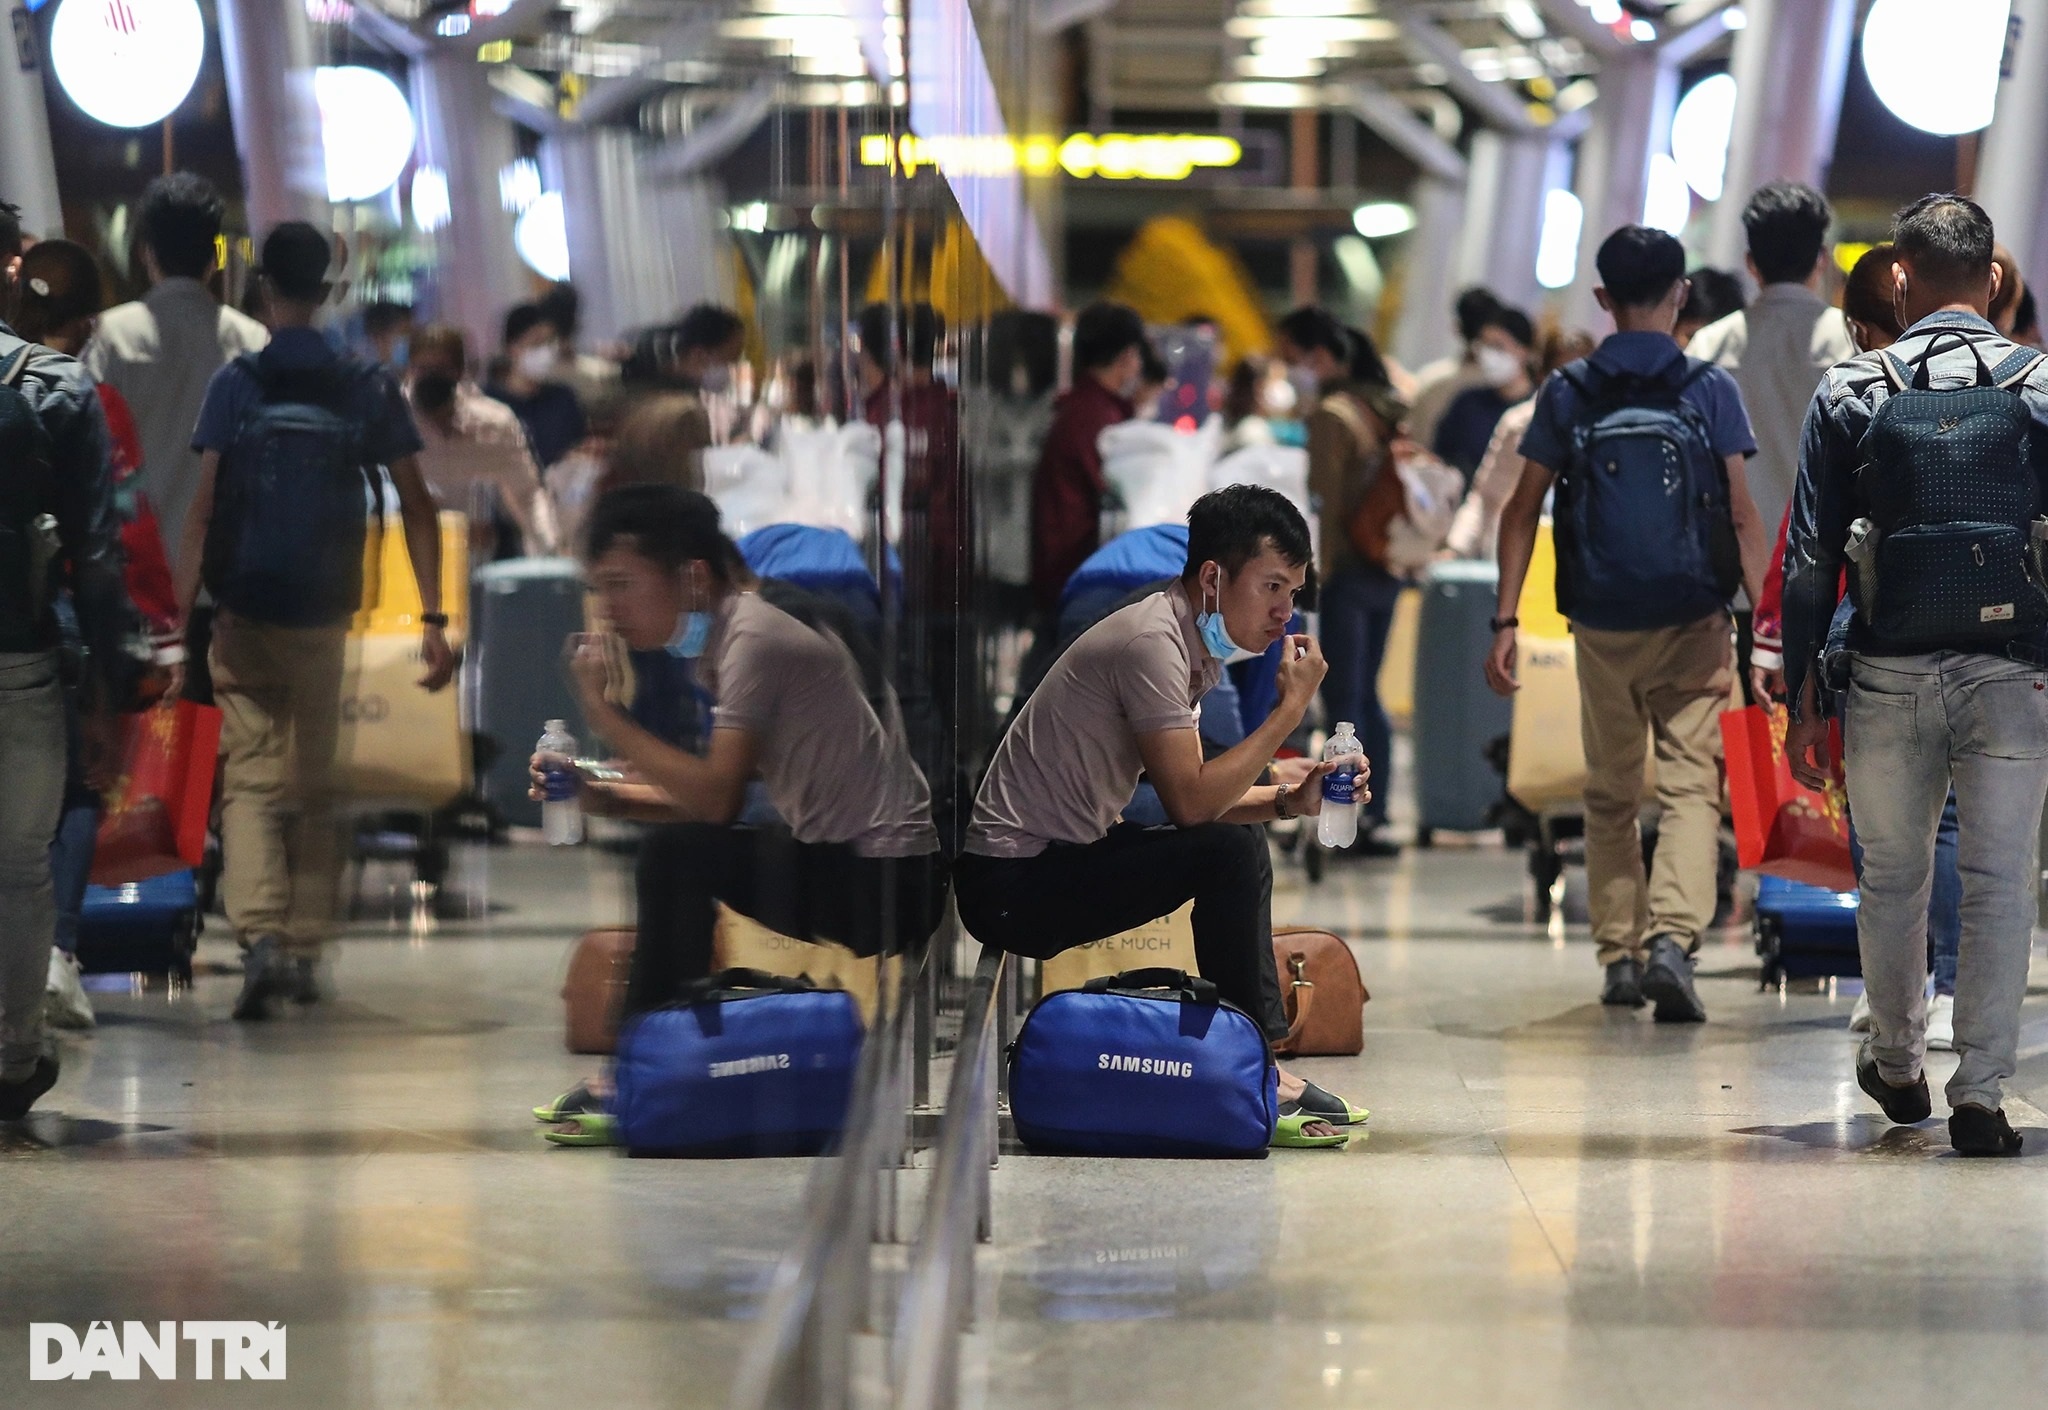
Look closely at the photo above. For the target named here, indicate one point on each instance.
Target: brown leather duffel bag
(596, 989)
(1324, 995)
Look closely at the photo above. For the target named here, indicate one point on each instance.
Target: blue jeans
(1917, 726)
(1357, 614)
(1945, 904)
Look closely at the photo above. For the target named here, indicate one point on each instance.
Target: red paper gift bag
(1782, 827)
(156, 812)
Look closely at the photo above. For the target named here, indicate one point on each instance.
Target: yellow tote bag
(741, 943)
(397, 742)
(1397, 667)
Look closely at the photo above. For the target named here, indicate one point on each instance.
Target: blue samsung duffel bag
(1144, 1063)
(747, 1064)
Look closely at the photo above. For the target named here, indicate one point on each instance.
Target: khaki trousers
(279, 690)
(1670, 685)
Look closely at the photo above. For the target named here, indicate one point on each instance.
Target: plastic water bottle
(561, 815)
(1338, 825)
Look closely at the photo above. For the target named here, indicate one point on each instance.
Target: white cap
(562, 727)
(1344, 727)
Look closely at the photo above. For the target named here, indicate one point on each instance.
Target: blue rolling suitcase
(1457, 719)
(141, 927)
(1805, 932)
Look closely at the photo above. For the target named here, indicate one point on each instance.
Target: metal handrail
(799, 1356)
(937, 1302)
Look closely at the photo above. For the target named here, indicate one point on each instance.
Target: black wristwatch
(435, 619)
(1501, 624)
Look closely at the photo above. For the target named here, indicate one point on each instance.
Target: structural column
(463, 136)
(2015, 151)
(1508, 176)
(28, 168)
(1424, 332)
(1790, 65)
(267, 49)
(1631, 124)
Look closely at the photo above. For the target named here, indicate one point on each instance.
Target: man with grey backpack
(1921, 472)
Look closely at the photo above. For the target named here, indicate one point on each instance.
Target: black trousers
(1070, 895)
(806, 890)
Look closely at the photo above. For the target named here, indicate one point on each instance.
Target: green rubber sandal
(578, 1098)
(1331, 1107)
(585, 1128)
(1293, 1131)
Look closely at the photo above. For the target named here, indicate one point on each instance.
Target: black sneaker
(304, 981)
(1905, 1105)
(266, 975)
(1667, 983)
(17, 1097)
(1975, 1131)
(1624, 987)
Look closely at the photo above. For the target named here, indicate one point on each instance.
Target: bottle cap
(562, 726)
(1343, 726)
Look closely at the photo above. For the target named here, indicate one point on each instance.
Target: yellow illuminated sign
(1115, 156)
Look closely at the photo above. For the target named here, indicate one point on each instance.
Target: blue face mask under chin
(691, 635)
(1216, 637)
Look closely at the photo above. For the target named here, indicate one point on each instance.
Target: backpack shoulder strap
(2015, 367)
(15, 365)
(1696, 368)
(1895, 372)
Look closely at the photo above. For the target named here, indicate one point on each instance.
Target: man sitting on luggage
(855, 842)
(1655, 532)
(1050, 864)
(1923, 467)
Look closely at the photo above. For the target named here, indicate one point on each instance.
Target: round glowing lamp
(541, 235)
(366, 131)
(1936, 66)
(127, 63)
(1699, 134)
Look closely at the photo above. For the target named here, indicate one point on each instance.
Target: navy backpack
(1149, 1062)
(746, 1064)
(1645, 538)
(1949, 482)
(291, 500)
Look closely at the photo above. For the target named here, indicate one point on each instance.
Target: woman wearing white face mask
(550, 412)
(1353, 419)
(1504, 353)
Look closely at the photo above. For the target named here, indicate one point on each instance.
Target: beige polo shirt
(1069, 762)
(1777, 348)
(481, 461)
(833, 770)
(160, 353)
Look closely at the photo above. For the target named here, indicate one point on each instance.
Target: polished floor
(1558, 1205)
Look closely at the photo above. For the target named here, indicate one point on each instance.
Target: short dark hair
(564, 307)
(1233, 525)
(1513, 322)
(180, 222)
(60, 284)
(1714, 295)
(1472, 307)
(706, 326)
(666, 524)
(918, 329)
(1867, 297)
(522, 319)
(294, 262)
(10, 229)
(1104, 332)
(1787, 223)
(1946, 239)
(441, 338)
(1639, 264)
(385, 316)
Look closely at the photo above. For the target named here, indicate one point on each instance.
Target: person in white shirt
(1438, 383)
(1779, 346)
(161, 351)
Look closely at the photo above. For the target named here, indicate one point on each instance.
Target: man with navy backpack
(1655, 531)
(1921, 472)
(56, 506)
(291, 440)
